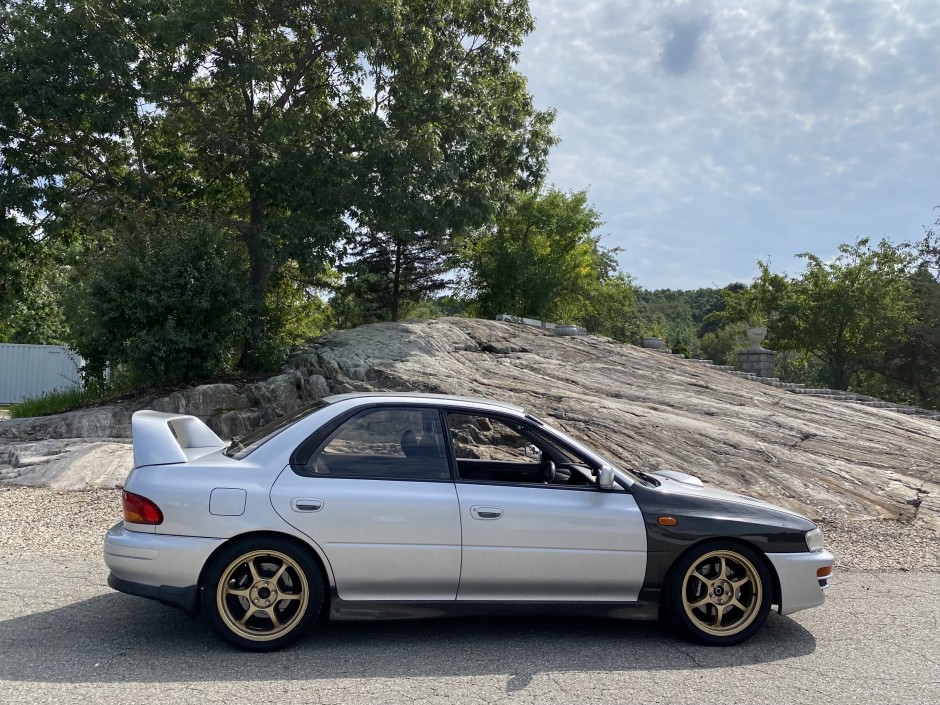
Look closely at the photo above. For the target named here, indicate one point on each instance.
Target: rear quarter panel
(183, 491)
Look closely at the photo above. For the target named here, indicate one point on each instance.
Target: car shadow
(116, 638)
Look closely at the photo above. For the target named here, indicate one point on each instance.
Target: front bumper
(800, 586)
(157, 566)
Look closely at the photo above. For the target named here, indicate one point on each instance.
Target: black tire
(242, 585)
(719, 593)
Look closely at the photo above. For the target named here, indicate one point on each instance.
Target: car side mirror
(532, 451)
(605, 477)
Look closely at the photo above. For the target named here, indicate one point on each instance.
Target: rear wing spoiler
(165, 439)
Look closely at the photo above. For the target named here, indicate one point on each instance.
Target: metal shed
(32, 370)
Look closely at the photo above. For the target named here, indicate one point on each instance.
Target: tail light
(140, 510)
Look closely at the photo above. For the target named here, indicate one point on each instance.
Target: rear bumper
(185, 598)
(800, 587)
(157, 566)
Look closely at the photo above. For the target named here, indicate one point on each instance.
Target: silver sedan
(398, 505)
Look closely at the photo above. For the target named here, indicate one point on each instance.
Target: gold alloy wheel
(262, 595)
(722, 593)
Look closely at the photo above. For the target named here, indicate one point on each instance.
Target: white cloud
(713, 134)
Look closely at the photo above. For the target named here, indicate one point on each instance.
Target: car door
(377, 496)
(528, 536)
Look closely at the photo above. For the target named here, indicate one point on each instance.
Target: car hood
(675, 482)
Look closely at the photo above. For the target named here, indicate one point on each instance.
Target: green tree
(390, 273)
(284, 123)
(296, 310)
(448, 107)
(844, 312)
(34, 315)
(913, 357)
(611, 308)
(539, 252)
(671, 310)
(165, 304)
(16, 270)
(757, 304)
(705, 303)
(721, 344)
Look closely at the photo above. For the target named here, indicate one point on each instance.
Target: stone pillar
(757, 361)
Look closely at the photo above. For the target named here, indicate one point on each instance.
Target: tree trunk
(258, 275)
(396, 281)
(838, 378)
(842, 372)
(259, 268)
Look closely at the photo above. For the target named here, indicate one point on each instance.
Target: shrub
(162, 300)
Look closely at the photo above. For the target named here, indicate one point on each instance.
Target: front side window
(492, 449)
(398, 443)
(487, 438)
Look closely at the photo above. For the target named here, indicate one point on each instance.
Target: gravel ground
(34, 520)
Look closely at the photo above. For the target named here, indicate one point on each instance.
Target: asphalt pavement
(66, 637)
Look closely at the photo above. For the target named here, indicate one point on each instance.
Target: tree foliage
(610, 308)
(448, 108)
(283, 123)
(295, 309)
(845, 312)
(539, 252)
(388, 274)
(164, 305)
(912, 358)
(720, 344)
(33, 314)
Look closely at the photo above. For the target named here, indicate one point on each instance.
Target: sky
(716, 133)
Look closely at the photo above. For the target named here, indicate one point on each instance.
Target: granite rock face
(645, 409)
(70, 464)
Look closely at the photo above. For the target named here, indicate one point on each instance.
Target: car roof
(442, 399)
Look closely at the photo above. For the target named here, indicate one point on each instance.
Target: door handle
(306, 505)
(479, 512)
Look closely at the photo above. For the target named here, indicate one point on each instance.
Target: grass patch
(54, 402)
(59, 401)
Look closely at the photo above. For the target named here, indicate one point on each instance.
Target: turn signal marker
(668, 521)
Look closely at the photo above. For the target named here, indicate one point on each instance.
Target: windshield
(644, 477)
(242, 446)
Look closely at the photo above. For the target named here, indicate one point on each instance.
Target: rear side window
(394, 443)
(242, 447)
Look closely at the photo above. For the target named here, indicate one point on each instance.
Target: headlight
(814, 540)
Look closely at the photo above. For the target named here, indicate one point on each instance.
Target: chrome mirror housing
(605, 477)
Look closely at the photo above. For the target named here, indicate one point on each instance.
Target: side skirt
(344, 610)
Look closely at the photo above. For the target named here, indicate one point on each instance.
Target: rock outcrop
(69, 464)
(644, 408)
